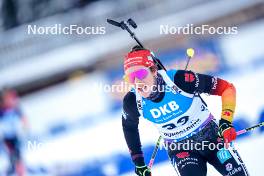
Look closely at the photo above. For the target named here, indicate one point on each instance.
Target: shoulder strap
(139, 102)
(172, 85)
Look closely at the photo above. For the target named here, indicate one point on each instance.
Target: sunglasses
(139, 74)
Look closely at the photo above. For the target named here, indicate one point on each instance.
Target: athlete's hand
(227, 131)
(142, 171)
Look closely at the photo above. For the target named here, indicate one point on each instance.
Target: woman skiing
(171, 101)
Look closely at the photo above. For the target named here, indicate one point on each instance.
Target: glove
(142, 171)
(226, 131)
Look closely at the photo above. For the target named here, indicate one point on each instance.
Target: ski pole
(190, 53)
(153, 156)
(250, 128)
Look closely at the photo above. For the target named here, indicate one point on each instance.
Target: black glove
(226, 130)
(142, 171)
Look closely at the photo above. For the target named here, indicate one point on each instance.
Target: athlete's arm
(192, 82)
(130, 120)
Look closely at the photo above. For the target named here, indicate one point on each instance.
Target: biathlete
(180, 115)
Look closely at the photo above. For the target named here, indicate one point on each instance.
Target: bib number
(181, 121)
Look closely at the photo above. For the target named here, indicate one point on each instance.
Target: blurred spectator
(12, 126)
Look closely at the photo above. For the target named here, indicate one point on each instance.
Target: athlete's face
(9, 99)
(142, 78)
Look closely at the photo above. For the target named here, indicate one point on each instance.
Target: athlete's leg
(15, 156)
(187, 163)
(225, 161)
(10, 149)
(228, 162)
